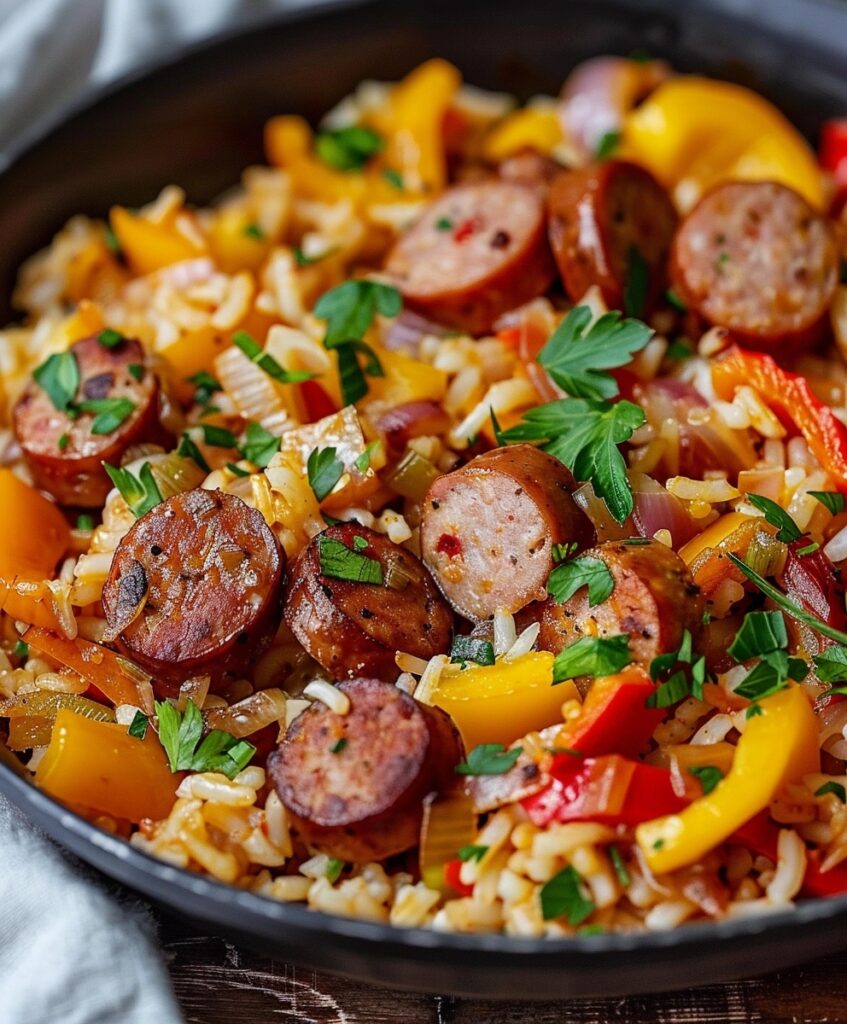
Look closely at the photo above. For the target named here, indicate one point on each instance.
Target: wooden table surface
(219, 983)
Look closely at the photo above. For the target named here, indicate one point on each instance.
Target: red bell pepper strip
(792, 399)
(611, 790)
(317, 402)
(614, 718)
(833, 150)
(451, 877)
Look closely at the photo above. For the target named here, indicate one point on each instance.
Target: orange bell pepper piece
(147, 246)
(100, 767)
(34, 537)
(791, 397)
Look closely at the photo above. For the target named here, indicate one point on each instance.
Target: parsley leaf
(256, 354)
(675, 301)
(472, 853)
(341, 563)
(760, 633)
(670, 692)
(189, 450)
(260, 445)
(831, 500)
(110, 413)
(110, 338)
(489, 759)
(141, 493)
(136, 371)
(59, 377)
(577, 354)
(468, 648)
(619, 866)
(253, 231)
(339, 745)
(181, 735)
(585, 435)
(394, 178)
(831, 665)
(832, 787)
(566, 579)
(564, 896)
(763, 635)
(138, 725)
(205, 386)
(325, 469)
(708, 775)
(592, 656)
(637, 283)
(218, 437)
(787, 529)
(334, 867)
(348, 149)
(607, 145)
(363, 461)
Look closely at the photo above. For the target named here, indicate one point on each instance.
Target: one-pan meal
(446, 526)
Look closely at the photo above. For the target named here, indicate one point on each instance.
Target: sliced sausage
(754, 257)
(479, 250)
(488, 529)
(352, 628)
(355, 783)
(608, 222)
(654, 601)
(531, 169)
(64, 455)
(195, 587)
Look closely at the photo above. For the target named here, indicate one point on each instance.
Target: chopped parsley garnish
(334, 867)
(444, 224)
(565, 896)
(562, 552)
(592, 656)
(807, 549)
(256, 354)
(302, 260)
(348, 149)
(138, 725)
(260, 445)
(349, 311)
(619, 866)
(182, 737)
(579, 353)
(831, 500)
(670, 692)
(189, 450)
(136, 371)
(763, 635)
(831, 665)
(218, 437)
(236, 470)
(675, 301)
(63, 442)
(679, 349)
(584, 435)
(394, 178)
(754, 711)
(112, 243)
(141, 493)
(472, 852)
(21, 649)
(342, 563)
(110, 338)
(359, 543)
(833, 787)
(637, 283)
(254, 231)
(489, 759)
(84, 522)
(708, 775)
(362, 462)
(568, 577)
(325, 469)
(786, 604)
(686, 675)
(787, 529)
(339, 745)
(607, 145)
(59, 377)
(110, 413)
(760, 633)
(468, 648)
(205, 386)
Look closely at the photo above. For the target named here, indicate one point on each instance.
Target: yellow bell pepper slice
(288, 144)
(35, 535)
(406, 379)
(234, 242)
(502, 702)
(100, 767)
(719, 530)
(777, 746)
(708, 131)
(149, 247)
(536, 127)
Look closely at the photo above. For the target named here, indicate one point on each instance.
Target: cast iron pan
(197, 121)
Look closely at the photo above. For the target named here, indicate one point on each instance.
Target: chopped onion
(397, 576)
(48, 703)
(195, 689)
(836, 548)
(505, 633)
(604, 523)
(655, 509)
(412, 476)
(766, 555)
(253, 392)
(404, 332)
(449, 823)
(249, 715)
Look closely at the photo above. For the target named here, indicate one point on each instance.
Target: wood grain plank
(217, 982)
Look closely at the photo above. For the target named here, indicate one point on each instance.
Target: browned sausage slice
(479, 250)
(756, 258)
(352, 628)
(531, 169)
(195, 587)
(65, 455)
(606, 220)
(355, 783)
(654, 600)
(488, 529)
